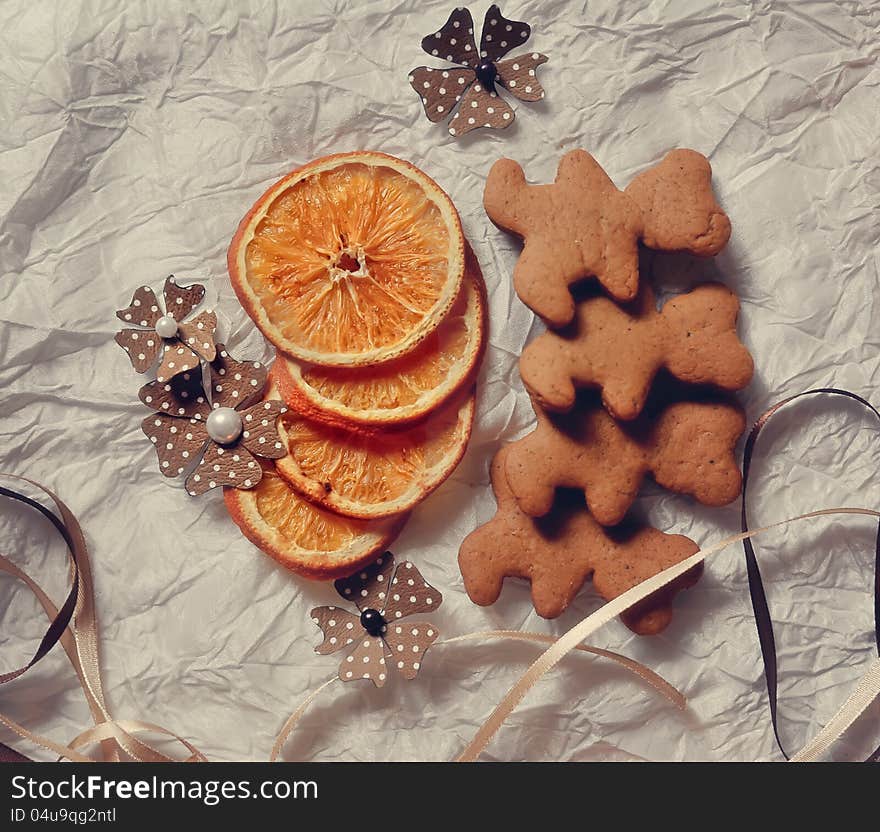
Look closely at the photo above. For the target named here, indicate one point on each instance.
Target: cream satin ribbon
(80, 643)
(865, 693)
(645, 673)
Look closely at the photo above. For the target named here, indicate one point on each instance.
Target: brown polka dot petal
(235, 383)
(142, 347)
(143, 310)
(407, 642)
(181, 300)
(366, 661)
(500, 35)
(178, 442)
(454, 42)
(441, 89)
(182, 396)
(260, 429)
(518, 76)
(408, 594)
(198, 335)
(231, 466)
(368, 587)
(176, 359)
(480, 108)
(340, 628)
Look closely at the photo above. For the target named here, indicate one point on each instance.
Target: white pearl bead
(166, 327)
(223, 425)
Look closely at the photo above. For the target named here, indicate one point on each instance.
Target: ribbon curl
(75, 627)
(647, 675)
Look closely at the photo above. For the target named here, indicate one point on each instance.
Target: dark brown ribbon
(58, 624)
(75, 627)
(10, 755)
(763, 621)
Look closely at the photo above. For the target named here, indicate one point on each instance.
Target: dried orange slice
(370, 474)
(303, 537)
(350, 260)
(401, 391)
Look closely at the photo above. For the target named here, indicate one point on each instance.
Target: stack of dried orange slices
(356, 269)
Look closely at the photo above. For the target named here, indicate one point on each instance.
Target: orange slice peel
(307, 539)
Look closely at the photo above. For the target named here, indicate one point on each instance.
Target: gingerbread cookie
(621, 350)
(558, 553)
(583, 226)
(688, 447)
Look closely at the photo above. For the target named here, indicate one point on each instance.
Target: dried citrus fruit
(350, 260)
(303, 537)
(369, 474)
(401, 391)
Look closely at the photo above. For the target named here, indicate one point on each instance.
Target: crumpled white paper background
(133, 137)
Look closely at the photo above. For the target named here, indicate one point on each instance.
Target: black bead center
(373, 622)
(486, 75)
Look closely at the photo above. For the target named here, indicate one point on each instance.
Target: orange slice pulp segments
(303, 537)
(370, 474)
(401, 391)
(350, 260)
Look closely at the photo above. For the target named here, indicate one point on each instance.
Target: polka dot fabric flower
(180, 343)
(213, 437)
(379, 638)
(472, 88)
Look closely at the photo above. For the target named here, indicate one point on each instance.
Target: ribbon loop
(75, 627)
(763, 619)
(58, 619)
(646, 674)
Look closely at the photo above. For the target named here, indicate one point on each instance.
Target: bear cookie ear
(678, 207)
(505, 197)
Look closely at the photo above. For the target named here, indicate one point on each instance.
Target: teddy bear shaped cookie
(558, 553)
(583, 226)
(688, 447)
(620, 349)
